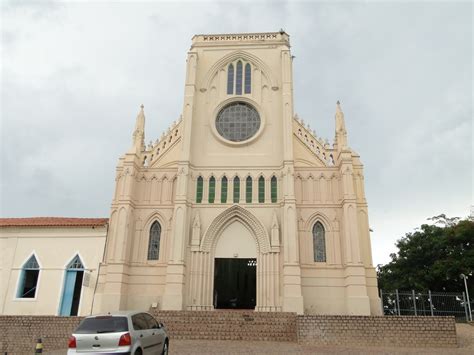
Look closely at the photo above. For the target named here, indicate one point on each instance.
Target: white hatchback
(136, 333)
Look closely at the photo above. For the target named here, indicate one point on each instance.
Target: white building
(49, 265)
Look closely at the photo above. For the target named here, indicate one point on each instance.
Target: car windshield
(107, 324)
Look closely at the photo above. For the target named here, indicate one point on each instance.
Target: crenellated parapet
(319, 147)
(168, 139)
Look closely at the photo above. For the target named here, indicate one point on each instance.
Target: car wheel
(138, 352)
(165, 348)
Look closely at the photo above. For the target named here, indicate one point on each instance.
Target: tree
(432, 258)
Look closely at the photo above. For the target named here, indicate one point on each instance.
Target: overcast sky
(75, 73)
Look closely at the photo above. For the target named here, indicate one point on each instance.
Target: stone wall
(405, 331)
(19, 334)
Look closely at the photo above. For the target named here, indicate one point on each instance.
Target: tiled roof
(52, 222)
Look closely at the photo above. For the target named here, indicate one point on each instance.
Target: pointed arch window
(224, 190)
(248, 190)
(273, 189)
(230, 79)
(199, 186)
(154, 241)
(238, 79)
(76, 263)
(248, 78)
(28, 279)
(236, 189)
(261, 189)
(319, 242)
(212, 189)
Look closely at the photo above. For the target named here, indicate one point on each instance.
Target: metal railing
(427, 303)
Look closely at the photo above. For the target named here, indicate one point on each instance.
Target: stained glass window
(238, 122)
(224, 190)
(199, 187)
(236, 189)
(154, 241)
(248, 190)
(273, 188)
(261, 189)
(238, 79)
(319, 243)
(230, 79)
(212, 189)
(248, 78)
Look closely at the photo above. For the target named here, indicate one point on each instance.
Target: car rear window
(107, 324)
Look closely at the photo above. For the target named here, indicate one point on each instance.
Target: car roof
(115, 313)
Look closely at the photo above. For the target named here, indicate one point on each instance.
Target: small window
(236, 189)
(199, 187)
(238, 79)
(224, 190)
(212, 189)
(139, 322)
(150, 321)
(230, 79)
(28, 279)
(261, 189)
(154, 241)
(248, 78)
(248, 190)
(319, 243)
(273, 188)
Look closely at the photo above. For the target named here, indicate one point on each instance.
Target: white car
(136, 333)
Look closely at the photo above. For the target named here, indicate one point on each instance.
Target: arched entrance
(235, 269)
(252, 244)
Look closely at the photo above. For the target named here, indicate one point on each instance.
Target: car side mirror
(160, 325)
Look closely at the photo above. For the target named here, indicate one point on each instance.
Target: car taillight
(72, 342)
(125, 339)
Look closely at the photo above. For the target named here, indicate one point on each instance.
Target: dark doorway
(235, 283)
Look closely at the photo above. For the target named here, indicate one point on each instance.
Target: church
(238, 205)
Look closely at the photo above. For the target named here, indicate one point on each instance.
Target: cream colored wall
(54, 248)
(236, 241)
(316, 181)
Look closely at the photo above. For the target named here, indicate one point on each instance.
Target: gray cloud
(74, 75)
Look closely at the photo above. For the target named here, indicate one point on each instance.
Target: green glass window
(236, 189)
(199, 190)
(261, 189)
(273, 189)
(248, 190)
(212, 189)
(224, 190)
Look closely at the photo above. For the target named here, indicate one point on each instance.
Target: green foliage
(432, 258)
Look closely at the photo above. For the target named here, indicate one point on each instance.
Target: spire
(341, 133)
(139, 132)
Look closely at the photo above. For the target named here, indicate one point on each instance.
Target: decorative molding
(235, 213)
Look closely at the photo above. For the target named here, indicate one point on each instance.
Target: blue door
(68, 293)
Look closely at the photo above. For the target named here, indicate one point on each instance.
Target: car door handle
(152, 333)
(141, 335)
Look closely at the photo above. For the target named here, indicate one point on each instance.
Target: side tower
(333, 227)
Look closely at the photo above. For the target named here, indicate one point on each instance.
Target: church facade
(239, 204)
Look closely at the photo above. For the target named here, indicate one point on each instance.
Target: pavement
(465, 334)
